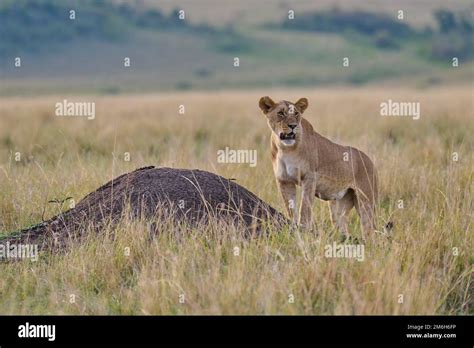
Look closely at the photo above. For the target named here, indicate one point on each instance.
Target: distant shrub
(230, 41)
(384, 40)
(455, 36)
(203, 72)
(110, 90)
(446, 20)
(450, 22)
(446, 47)
(184, 86)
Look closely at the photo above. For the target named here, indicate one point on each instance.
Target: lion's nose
(292, 126)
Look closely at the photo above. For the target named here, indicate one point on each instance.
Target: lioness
(342, 175)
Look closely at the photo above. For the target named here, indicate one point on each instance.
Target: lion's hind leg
(340, 210)
(365, 206)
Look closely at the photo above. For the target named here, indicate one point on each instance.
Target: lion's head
(284, 118)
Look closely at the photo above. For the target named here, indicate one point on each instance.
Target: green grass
(268, 57)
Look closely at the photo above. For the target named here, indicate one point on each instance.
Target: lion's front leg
(308, 189)
(288, 193)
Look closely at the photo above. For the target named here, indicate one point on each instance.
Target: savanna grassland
(425, 163)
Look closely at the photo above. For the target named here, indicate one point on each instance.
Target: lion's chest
(289, 168)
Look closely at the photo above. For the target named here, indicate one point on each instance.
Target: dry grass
(63, 157)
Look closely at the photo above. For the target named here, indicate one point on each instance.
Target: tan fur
(342, 175)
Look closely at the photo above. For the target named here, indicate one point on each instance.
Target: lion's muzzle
(288, 136)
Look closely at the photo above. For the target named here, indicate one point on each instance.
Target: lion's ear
(302, 104)
(266, 103)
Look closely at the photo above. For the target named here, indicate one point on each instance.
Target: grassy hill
(86, 54)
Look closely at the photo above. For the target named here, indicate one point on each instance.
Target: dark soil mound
(185, 195)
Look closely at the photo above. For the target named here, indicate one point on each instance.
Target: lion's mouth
(288, 136)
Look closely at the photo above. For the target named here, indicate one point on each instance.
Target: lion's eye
(281, 114)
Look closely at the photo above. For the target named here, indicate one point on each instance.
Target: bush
(362, 22)
(455, 36)
(34, 24)
(384, 40)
